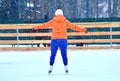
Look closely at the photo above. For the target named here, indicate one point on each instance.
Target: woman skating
(59, 25)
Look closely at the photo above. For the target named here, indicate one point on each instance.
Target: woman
(59, 25)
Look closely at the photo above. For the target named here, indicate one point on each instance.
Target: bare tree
(118, 8)
(37, 9)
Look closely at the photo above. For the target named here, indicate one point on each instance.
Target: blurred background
(36, 11)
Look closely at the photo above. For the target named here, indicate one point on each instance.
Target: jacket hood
(59, 18)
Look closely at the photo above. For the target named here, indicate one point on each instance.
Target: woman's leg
(53, 48)
(63, 47)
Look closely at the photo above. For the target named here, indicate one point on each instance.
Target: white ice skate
(50, 69)
(66, 69)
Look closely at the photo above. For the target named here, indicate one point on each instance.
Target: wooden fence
(89, 43)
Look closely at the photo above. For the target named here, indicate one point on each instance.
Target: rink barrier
(18, 43)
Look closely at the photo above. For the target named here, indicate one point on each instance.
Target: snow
(84, 65)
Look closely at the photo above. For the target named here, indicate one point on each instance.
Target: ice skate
(66, 69)
(50, 70)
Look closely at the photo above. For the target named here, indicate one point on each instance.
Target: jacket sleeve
(74, 27)
(44, 25)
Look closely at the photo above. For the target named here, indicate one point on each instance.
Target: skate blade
(66, 71)
(50, 71)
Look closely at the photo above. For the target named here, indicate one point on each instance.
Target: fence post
(17, 37)
(111, 35)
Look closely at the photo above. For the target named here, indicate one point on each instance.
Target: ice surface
(84, 65)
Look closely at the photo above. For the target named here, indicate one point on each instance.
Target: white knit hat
(59, 12)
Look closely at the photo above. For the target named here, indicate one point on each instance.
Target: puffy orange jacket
(59, 25)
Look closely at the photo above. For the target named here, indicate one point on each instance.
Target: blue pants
(62, 44)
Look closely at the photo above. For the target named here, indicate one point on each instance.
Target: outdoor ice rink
(84, 65)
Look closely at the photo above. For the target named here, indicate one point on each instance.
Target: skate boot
(66, 69)
(50, 70)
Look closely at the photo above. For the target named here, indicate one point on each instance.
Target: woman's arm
(74, 27)
(44, 25)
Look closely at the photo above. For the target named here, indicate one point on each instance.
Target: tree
(14, 9)
(8, 9)
(37, 9)
(4, 8)
(118, 8)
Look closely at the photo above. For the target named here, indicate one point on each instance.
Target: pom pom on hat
(59, 12)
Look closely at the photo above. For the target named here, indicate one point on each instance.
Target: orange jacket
(59, 25)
